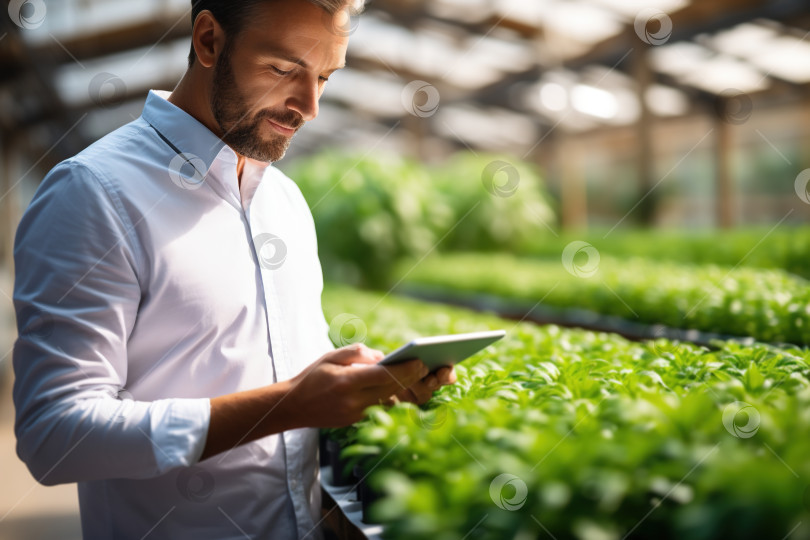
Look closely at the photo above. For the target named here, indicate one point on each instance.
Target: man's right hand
(332, 392)
(336, 389)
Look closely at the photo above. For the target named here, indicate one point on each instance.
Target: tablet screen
(438, 351)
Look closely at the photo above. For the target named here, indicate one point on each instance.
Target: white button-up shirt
(147, 282)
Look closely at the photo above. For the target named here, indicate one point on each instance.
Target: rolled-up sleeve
(76, 297)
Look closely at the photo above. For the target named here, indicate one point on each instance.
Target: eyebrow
(278, 53)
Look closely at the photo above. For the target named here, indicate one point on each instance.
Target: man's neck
(197, 104)
(240, 166)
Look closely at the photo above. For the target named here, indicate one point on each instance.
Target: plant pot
(357, 473)
(323, 453)
(365, 494)
(339, 478)
(369, 497)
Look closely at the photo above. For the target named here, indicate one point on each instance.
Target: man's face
(269, 78)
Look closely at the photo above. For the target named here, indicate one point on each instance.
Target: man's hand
(335, 390)
(422, 390)
(332, 392)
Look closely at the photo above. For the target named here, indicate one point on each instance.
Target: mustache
(289, 119)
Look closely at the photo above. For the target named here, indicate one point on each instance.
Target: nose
(304, 99)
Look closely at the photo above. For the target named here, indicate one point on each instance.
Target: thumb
(357, 353)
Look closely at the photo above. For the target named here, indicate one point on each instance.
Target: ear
(208, 39)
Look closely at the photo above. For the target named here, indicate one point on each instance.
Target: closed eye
(280, 71)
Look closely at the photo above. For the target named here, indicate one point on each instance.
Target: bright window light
(594, 101)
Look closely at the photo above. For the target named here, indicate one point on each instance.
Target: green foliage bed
(571, 434)
(783, 247)
(770, 305)
(372, 211)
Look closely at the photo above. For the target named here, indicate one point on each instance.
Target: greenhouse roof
(492, 73)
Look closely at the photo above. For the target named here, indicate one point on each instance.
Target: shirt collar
(186, 135)
(182, 131)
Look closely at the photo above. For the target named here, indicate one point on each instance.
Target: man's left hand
(422, 390)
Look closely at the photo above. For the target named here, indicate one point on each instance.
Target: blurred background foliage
(373, 212)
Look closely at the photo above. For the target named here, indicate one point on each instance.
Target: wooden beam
(804, 140)
(173, 27)
(724, 187)
(102, 43)
(573, 194)
(8, 206)
(644, 137)
(708, 19)
(40, 85)
(698, 12)
(546, 156)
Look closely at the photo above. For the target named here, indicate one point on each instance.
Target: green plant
(770, 305)
(580, 435)
(372, 212)
(498, 203)
(369, 213)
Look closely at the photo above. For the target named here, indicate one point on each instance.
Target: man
(172, 354)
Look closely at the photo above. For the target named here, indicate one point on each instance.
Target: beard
(241, 131)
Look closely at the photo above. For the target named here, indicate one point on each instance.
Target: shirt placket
(284, 370)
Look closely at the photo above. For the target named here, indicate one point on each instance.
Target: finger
(390, 385)
(431, 382)
(393, 378)
(357, 353)
(407, 395)
(407, 376)
(423, 390)
(374, 399)
(446, 375)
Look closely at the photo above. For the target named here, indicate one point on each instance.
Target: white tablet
(438, 351)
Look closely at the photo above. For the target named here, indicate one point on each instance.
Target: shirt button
(294, 483)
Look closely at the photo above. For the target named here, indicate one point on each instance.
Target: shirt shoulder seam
(115, 200)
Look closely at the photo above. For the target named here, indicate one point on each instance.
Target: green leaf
(753, 378)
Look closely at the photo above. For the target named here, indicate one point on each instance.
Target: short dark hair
(232, 14)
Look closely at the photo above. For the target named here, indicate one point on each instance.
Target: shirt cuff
(179, 431)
